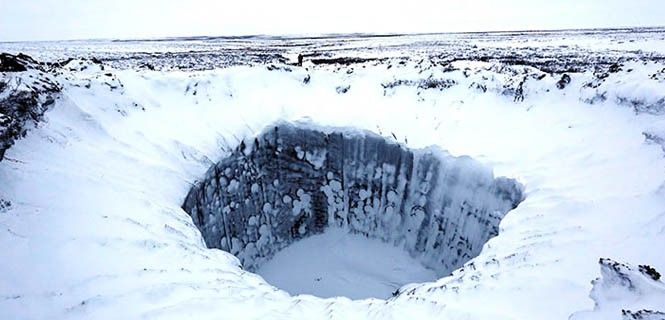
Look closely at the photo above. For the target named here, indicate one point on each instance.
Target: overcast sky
(85, 19)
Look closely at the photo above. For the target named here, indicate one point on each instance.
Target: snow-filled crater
(349, 198)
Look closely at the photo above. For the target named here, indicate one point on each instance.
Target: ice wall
(294, 181)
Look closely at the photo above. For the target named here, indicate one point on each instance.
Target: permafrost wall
(294, 181)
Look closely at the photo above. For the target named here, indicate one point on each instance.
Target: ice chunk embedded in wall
(294, 181)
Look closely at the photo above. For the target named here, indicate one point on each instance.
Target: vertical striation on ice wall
(294, 181)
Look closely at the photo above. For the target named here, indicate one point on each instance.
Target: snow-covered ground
(95, 229)
(584, 47)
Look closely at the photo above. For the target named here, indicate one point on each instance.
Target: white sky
(85, 19)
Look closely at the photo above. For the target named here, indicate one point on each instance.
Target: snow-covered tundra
(453, 176)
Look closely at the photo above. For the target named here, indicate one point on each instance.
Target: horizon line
(333, 35)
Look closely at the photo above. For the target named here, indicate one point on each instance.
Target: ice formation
(293, 181)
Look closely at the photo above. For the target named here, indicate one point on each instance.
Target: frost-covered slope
(94, 228)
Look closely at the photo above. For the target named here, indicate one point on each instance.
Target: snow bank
(633, 293)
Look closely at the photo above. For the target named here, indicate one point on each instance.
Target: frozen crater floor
(337, 263)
